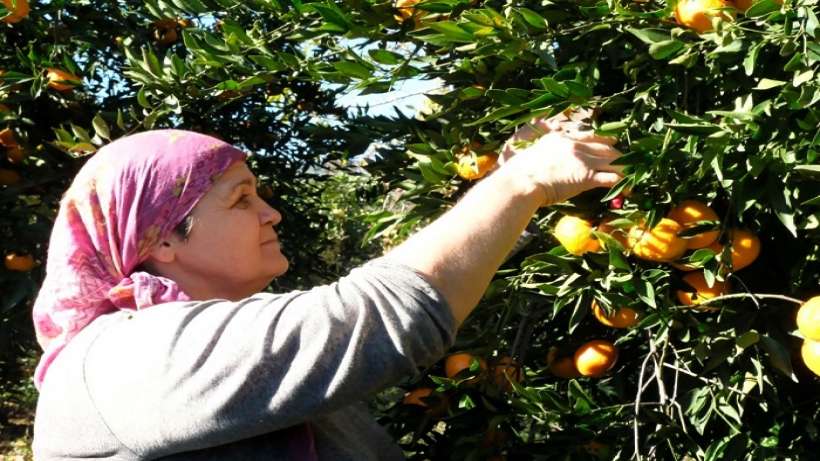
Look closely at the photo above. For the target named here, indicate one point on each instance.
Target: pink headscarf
(128, 196)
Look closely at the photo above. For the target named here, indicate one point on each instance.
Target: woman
(216, 369)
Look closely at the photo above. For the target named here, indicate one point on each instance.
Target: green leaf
(578, 314)
(582, 401)
(717, 448)
(795, 63)
(151, 62)
(554, 87)
(650, 36)
(495, 115)
(811, 22)
(353, 69)
(809, 170)
(747, 339)
(267, 62)
(333, 15)
(532, 18)
(142, 99)
(766, 84)
(812, 201)
(101, 128)
(665, 49)
(762, 8)
(612, 127)
(617, 259)
(646, 292)
(694, 128)
(751, 58)
(452, 31)
(778, 356)
(803, 77)
(385, 57)
(194, 6)
(813, 52)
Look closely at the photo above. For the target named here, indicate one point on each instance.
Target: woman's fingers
(599, 157)
(605, 178)
(590, 136)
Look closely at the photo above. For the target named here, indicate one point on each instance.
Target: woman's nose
(270, 215)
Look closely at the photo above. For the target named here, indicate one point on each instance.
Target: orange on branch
(166, 36)
(19, 263)
(808, 319)
(9, 177)
(7, 138)
(811, 355)
(415, 396)
(700, 291)
(745, 248)
(472, 167)
(16, 155)
(659, 244)
(505, 370)
(165, 30)
(597, 449)
(687, 214)
(18, 10)
(61, 80)
(575, 234)
(418, 396)
(616, 233)
(456, 363)
(564, 368)
(698, 14)
(595, 358)
(406, 10)
(622, 317)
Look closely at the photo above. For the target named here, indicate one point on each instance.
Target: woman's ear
(163, 252)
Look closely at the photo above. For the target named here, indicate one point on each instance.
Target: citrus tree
(655, 320)
(76, 74)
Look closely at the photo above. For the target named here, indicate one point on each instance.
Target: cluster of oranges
(664, 243)
(8, 177)
(808, 322)
(503, 372)
(698, 15)
(15, 153)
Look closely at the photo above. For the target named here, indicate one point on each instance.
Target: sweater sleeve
(190, 375)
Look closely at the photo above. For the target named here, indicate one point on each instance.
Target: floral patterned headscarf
(127, 197)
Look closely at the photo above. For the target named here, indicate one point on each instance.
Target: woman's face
(232, 251)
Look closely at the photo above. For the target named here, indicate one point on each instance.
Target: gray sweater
(221, 380)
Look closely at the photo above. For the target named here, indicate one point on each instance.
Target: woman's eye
(243, 199)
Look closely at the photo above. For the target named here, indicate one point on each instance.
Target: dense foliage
(76, 74)
(725, 115)
(728, 118)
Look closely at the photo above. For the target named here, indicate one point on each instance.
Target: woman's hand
(561, 157)
(459, 252)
